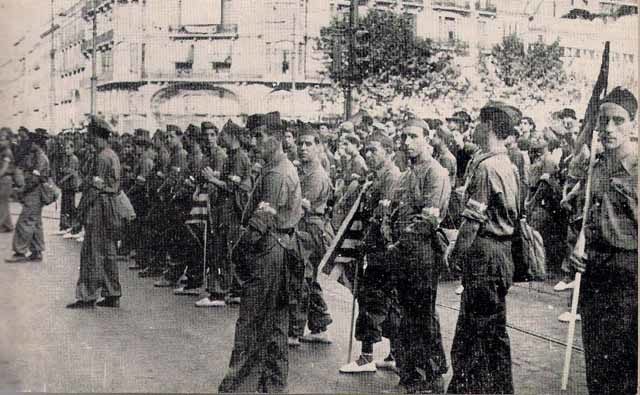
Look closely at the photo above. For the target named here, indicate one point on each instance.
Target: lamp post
(94, 72)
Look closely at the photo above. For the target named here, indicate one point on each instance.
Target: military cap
(23, 129)
(192, 130)
(308, 130)
(208, 125)
(269, 123)
(232, 128)
(567, 113)
(460, 116)
(624, 98)
(174, 128)
(142, 137)
(253, 121)
(504, 116)
(352, 138)
(141, 133)
(99, 127)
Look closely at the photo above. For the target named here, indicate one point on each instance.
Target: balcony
(217, 31)
(487, 8)
(100, 6)
(103, 41)
(190, 75)
(452, 5)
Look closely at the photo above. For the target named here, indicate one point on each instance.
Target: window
(107, 61)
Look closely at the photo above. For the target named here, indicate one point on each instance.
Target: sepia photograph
(319, 196)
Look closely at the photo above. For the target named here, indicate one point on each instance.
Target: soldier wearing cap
(416, 255)
(481, 353)
(98, 265)
(353, 170)
(230, 187)
(142, 197)
(310, 308)
(459, 125)
(265, 254)
(7, 171)
(28, 236)
(378, 310)
(68, 182)
(609, 293)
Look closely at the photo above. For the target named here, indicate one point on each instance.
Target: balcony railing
(204, 31)
(452, 5)
(100, 5)
(103, 40)
(488, 7)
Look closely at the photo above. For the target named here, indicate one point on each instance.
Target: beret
(231, 128)
(352, 138)
(141, 133)
(624, 98)
(418, 123)
(505, 112)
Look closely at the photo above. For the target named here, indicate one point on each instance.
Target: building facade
(185, 61)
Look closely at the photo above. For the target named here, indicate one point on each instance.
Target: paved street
(158, 342)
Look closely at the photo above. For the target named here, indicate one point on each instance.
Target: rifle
(591, 118)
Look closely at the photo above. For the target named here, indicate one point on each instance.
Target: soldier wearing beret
(609, 293)
(481, 353)
(98, 265)
(266, 252)
(28, 236)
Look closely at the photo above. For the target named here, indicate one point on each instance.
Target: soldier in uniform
(264, 254)
(69, 181)
(419, 203)
(609, 294)
(311, 308)
(229, 188)
(7, 167)
(481, 353)
(28, 236)
(378, 313)
(98, 265)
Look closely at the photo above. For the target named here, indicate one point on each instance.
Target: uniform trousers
(260, 356)
(481, 351)
(28, 234)
(6, 224)
(609, 310)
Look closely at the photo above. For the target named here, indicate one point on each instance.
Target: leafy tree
(402, 64)
(540, 65)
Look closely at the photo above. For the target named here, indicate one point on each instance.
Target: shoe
(109, 302)
(234, 300)
(293, 341)
(80, 304)
(186, 291)
(77, 235)
(35, 258)
(17, 258)
(61, 232)
(459, 290)
(563, 286)
(163, 283)
(360, 365)
(321, 337)
(206, 302)
(388, 364)
(566, 317)
(80, 239)
(68, 235)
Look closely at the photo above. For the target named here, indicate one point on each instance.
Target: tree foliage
(402, 65)
(539, 65)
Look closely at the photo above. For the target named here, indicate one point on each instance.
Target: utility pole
(52, 74)
(353, 14)
(293, 52)
(94, 71)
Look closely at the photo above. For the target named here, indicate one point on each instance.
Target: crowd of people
(248, 212)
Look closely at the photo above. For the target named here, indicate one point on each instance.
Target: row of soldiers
(249, 211)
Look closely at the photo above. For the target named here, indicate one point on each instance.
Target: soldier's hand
(306, 204)
(235, 179)
(98, 182)
(209, 174)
